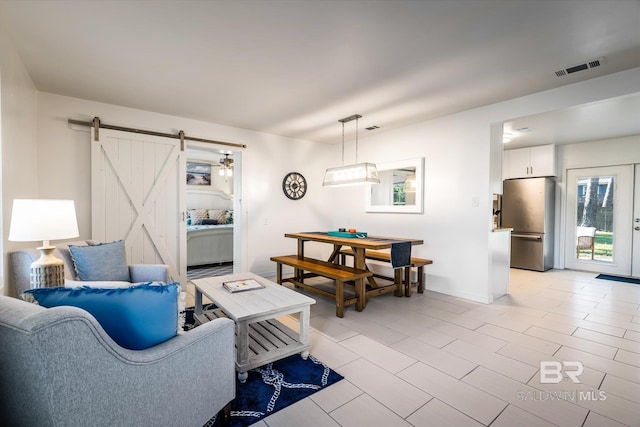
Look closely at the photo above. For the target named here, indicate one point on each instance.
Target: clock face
(294, 186)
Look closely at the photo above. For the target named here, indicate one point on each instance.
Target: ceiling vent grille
(575, 68)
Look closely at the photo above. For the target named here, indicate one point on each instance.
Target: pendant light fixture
(226, 166)
(358, 173)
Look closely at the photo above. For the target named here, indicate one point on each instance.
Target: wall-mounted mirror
(400, 189)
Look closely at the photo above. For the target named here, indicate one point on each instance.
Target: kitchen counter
(495, 230)
(499, 261)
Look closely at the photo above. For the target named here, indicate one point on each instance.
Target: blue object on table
(401, 254)
(358, 234)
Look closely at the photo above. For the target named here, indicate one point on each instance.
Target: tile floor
(436, 360)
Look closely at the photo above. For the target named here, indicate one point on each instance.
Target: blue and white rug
(275, 386)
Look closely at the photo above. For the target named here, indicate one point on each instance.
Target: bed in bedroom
(209, 227)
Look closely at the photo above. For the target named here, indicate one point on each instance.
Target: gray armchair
(20, 262)
(59, 368)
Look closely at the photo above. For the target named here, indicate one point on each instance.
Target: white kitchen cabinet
(530, 162)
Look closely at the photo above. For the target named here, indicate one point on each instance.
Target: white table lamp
(44, 219)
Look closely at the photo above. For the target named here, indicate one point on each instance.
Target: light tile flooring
(436, 360)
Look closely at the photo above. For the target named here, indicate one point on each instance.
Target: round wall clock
(294, 185)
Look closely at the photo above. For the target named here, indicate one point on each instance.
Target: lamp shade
(358, 173)
(43, 219)
(410, 184)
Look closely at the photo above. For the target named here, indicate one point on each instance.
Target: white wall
(460, 164)
(18, 176)
(267, 214)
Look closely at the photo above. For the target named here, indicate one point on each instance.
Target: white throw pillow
(96, 284)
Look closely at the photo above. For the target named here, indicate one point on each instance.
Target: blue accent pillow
(136, 317)
(102, 262)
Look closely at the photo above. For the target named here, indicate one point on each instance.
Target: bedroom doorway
(213, 216)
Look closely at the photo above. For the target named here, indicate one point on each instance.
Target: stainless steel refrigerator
(528, 207)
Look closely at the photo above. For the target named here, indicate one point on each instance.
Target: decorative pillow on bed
(209, 221)
(229, 215)
(219, 215)
(137, 317)
(105, 261)
(197, 215)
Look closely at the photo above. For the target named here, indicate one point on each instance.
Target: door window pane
(594, 222)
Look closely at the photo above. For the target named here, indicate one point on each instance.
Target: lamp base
(47, 271)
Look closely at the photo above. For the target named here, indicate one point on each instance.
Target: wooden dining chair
(586, 240)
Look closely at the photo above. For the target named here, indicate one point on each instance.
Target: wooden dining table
(359, 245)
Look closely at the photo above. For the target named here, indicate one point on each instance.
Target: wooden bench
(339, 273)
(418, 263)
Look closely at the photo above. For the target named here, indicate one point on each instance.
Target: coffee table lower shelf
(269, 340)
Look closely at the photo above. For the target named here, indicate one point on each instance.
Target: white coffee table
(260, 338)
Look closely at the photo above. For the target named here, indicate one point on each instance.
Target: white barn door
(138, 195)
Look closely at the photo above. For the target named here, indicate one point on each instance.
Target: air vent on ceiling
(373, 127)
(574, 69)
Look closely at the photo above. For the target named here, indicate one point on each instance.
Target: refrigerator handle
(527, 236)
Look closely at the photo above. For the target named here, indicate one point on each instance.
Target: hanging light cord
(343, 121)
(356, 139)
(342, 143)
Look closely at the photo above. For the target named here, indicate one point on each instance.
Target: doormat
(618, 279)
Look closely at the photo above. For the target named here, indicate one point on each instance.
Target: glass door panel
(598, 213)
(594, 219)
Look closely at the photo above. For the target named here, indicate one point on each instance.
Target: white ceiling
(612, 118)
(295, 67)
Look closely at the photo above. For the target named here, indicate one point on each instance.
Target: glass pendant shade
(410, 184)
(359, 173)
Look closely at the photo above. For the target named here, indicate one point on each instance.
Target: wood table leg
(305, 316)
(421, 280)
(225, 414)
(339, 298)
(397, 278)
(299, 274)
(279, 273)
(334, 257)
(197, 311)
(242, 350)
(361, 290)
(407, 281)
(359, 262)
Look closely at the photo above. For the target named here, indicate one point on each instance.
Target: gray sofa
(20, 261)
(59, 368)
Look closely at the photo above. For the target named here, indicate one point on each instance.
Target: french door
(635, 263)
(138, 195)
(600, 235)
